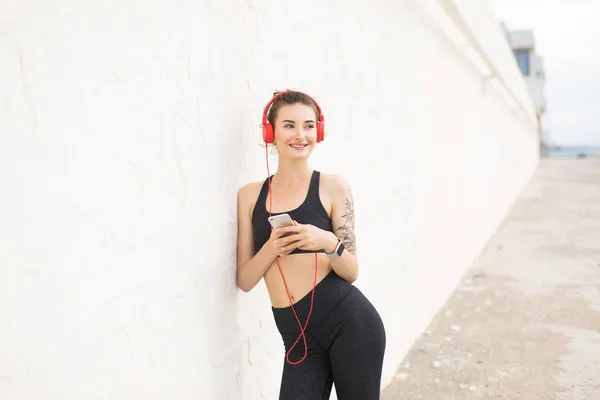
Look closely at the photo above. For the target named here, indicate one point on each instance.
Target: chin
(299, 156)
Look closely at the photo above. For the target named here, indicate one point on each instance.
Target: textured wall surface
(126, 129)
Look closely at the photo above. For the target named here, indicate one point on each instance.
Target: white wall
(126, 130)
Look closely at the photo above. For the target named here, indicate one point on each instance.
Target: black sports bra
(311, 211)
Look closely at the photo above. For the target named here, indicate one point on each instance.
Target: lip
(298, 146)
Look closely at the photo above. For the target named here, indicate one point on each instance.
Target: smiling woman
(309, 267)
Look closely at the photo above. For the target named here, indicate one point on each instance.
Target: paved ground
(525, 321)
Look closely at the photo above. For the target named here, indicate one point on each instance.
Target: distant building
(532, 67)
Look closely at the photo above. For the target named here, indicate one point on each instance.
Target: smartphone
(281, 221)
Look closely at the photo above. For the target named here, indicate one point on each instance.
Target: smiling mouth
(298, 146)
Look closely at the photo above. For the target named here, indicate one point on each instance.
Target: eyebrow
(289, 120)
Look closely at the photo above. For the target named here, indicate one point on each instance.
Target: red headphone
(268, 130)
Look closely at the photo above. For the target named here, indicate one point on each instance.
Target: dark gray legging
(346, 344)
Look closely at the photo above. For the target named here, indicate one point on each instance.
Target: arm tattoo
(347, 227)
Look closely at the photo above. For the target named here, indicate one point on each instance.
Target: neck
(293, 170)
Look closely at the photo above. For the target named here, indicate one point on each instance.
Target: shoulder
(250, 188)
(335, 185)
(248, 194)
(336, 192)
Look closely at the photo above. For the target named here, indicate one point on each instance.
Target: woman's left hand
(308, 237)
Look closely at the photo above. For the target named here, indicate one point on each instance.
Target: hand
(305, 237)
(279, 248)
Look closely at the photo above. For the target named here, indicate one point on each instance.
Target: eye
(288, 126)
(311, 126)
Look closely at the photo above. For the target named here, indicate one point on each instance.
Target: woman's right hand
(279, 248)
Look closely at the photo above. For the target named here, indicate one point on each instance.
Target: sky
(567, 36)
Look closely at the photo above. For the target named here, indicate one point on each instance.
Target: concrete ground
(525, 321)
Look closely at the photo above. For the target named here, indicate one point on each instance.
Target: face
(295, 130)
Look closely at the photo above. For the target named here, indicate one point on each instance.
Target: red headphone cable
(312, 297)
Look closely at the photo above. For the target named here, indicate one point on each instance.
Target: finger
(291, 228)
(304, 244)
(289, 247)
(287, 235)
(288, 239)
(291, 241)
(278, 233)
(303, 236)
(282, 242)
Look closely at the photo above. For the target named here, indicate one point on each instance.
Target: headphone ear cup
(268, 134)
(320, 132)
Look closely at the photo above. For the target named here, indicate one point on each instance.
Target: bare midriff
(299, 273)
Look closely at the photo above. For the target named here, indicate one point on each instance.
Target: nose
(300, 133)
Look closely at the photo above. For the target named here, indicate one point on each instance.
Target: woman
(331, 332)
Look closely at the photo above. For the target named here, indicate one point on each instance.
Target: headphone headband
(269, 130)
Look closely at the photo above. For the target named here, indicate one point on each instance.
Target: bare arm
(250, 266)
(342, 217)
